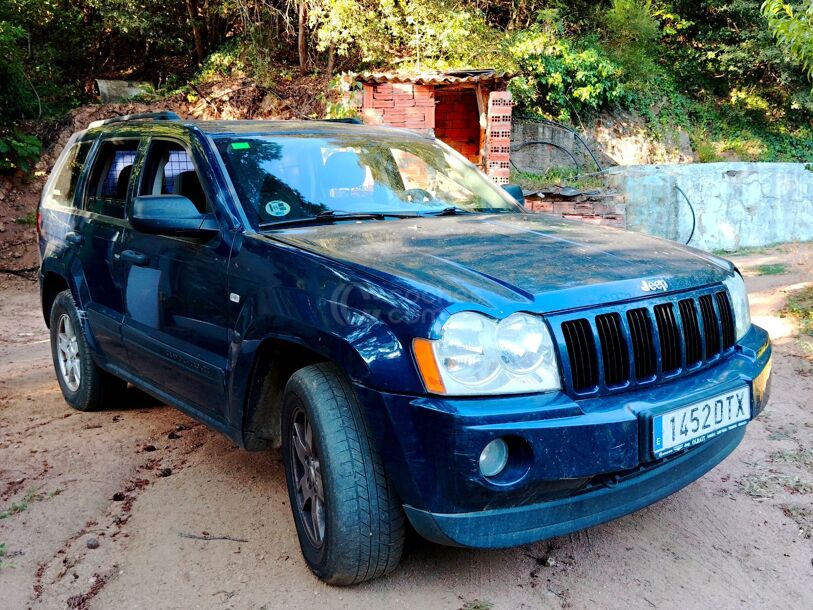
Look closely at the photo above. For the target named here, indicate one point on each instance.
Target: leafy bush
(425, 33)
(18, 151)
(558, 78)
(793, 29)
(16, 95)
(634, 35)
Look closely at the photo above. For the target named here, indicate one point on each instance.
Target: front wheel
(348, 518)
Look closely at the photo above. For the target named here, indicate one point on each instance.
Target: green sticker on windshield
(240, 145)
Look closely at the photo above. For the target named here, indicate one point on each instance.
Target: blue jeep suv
(420, 347)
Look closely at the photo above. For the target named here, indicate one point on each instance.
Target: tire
(362, 521)
(84, 385)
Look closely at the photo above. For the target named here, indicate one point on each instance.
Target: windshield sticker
(277, 208)
(240, 145)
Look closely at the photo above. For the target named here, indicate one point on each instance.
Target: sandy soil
(110, 509)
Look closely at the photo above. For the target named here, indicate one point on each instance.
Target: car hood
(495, 260)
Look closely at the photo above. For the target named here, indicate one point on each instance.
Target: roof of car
(292, 127)
(326, 127)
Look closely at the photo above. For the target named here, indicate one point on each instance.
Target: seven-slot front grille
(644, 343)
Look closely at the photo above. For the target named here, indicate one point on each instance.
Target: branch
(207, 537)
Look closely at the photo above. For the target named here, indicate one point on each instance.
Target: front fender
(362, 345)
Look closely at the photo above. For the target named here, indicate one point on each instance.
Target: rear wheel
(348, 518)
(84, 385)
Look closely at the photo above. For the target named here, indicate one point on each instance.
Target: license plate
(700, 421)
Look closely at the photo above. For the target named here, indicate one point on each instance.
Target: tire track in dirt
(78, 553)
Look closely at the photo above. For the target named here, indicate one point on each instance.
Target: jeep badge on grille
(654, 285)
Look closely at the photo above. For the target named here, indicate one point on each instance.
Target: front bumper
(587, 461)
(524, 524)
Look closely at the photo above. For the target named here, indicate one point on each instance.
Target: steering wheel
(418, 195)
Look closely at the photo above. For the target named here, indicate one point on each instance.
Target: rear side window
(62, 189)
(110, 178)
(169, 171)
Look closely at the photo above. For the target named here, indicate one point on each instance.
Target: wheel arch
(51, 284)
(275, 360)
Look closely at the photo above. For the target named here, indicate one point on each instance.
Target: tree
(793, 29)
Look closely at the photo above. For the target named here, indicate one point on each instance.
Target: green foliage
(32, 495)
(411, 33)
(771, 269)
(18, 151)
(793, 29)
(634, 36)
(556, 176)
(800, 306)
(559, 78)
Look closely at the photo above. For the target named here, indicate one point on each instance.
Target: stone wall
(736, 205)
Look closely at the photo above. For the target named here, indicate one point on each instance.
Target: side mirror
(171, 215)
(515, 190)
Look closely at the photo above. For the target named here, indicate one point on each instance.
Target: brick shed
(468, 109)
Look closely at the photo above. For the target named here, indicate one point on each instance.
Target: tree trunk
(197, 32)
(301, 42)
(331, 59)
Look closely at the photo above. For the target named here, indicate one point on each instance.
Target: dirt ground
(140, 507)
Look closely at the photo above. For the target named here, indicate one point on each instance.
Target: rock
(118, 496)
(165, 472)
(149, 448)
(92, 543)
(173, 435)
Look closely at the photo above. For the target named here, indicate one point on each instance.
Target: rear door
(175, 289)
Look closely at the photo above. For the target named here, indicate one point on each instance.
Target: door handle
(74, 238)
(136, 258)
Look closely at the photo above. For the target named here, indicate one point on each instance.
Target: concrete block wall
(737, 205)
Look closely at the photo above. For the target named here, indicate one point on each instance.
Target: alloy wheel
(70, 362)
(307, 473)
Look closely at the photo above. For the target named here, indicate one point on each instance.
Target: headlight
(739, 303)
(476, 354)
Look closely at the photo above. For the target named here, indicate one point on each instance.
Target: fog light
(494, 458)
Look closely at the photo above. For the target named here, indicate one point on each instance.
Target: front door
(175, 291)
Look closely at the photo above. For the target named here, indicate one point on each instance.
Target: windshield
(286, 178)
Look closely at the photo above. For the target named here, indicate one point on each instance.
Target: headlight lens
(476, 354)
(739, 303)
(466, 349)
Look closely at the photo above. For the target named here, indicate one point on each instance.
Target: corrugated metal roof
(451, 77)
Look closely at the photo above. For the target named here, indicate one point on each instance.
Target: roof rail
(349, 120)
(163, 115)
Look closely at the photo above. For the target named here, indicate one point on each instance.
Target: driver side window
(169, 170)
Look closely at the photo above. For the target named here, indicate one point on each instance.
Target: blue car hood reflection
(498, 258)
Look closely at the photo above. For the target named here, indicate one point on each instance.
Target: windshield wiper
(330, 216)
(449, 211)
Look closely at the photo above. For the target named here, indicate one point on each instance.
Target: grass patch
(477, 604)
(766, 486)
(800, 306)
(770, 269)
(28, 220)
(803, 458)
(556, 176)
(32, 495)
(803, 516)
